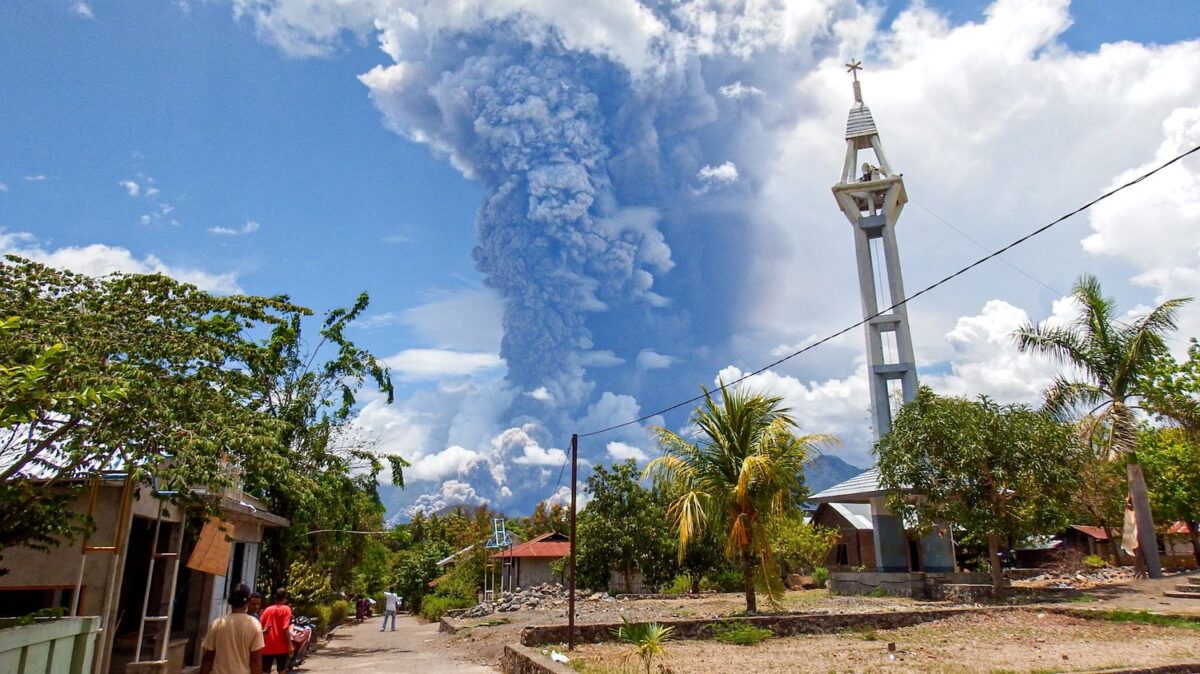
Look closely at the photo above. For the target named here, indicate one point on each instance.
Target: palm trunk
(994, 562)
(748, 579)
(696, 583)
(1147, 539)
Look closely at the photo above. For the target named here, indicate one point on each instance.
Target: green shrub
(319, 615)
(339, 611)
(1094, 562)
(433, 607)
(680, 584)
(740, 634)
(820, 576)
(729, 580)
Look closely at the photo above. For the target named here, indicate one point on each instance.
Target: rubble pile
(1080, 579)
(548, 595)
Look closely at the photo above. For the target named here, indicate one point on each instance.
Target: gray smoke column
(552, 239)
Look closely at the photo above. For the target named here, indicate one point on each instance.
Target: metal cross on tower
(872, 196)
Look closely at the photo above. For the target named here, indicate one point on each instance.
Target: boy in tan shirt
(234, 642)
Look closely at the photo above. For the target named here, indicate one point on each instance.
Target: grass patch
(869, 635)
(1147, 618)
(492, 622)
(740, 634)
(878, 593)
(1084, 598)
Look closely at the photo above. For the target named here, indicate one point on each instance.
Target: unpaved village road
(412, 648)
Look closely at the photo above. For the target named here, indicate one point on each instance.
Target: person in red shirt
(276, 620)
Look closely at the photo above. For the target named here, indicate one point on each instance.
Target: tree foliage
(800, 546)
(621, 529)
(1171, 458)
(1000, 471)
(739, 476)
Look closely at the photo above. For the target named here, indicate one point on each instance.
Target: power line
(982, 247)
(904, 301)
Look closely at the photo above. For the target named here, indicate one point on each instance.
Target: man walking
(391, 604)
(277, 634)
(234, 643)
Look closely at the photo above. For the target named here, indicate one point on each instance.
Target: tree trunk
(1192, 524)
(1114, 548)
(695, 583)
(628, 573)
(1147, 539)
(748, 579)
(994, 562)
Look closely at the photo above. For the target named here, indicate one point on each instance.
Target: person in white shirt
(391, 604)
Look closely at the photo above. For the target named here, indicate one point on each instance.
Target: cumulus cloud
(738, 91)
(100, 260)
(452, 493)
(131, 187)
(619, 451)
(723, 174)
(249, 228)
(651, 360)
(82, 10)
(433, 364)
(451, 461)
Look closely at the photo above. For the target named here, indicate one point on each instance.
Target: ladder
(161, 620)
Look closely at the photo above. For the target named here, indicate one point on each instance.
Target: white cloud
(100, 260)
(452, 493)
(738, 91)
(82, 10)
(724, 174)
(249, 228)
(562, 497)
(36, 178)
(542, 394)
(433, 364)
(439, 323)
(131, 187)
(520, 442)
(619, 451)
(453, 460)
(651, 360)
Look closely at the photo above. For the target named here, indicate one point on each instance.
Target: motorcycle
(301, 631)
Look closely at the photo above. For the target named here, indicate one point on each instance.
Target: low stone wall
(522, 660)
(913, 584)
(781, 625)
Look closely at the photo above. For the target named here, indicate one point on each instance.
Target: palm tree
(739, 476)
(1111, 359)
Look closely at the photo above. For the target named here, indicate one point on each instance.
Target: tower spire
(853, 67)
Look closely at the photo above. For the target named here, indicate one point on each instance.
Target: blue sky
(651, 193)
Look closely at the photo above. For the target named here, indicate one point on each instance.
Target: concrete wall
(534, 571)
(913, 584)
(64, 646)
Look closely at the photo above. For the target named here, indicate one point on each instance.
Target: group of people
(247, 642)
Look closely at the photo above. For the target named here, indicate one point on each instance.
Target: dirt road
(413, 647)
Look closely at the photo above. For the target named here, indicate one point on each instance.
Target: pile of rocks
(1081, 579)
(548, 595)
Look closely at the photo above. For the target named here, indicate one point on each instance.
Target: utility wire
(982, 247)
(904, 301)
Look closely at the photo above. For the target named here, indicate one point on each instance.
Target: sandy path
(413, 647)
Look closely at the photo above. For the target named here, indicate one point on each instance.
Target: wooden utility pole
(571, 579)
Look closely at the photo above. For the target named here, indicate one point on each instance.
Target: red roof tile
(1097, 533)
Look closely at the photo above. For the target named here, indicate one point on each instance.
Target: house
(530, 561)
(855, 546)
(137, 556)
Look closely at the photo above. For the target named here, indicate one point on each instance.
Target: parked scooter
(302, 633)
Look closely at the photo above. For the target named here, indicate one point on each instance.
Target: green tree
(415, 567)
(1111, 360)
(139, 372)
(621, 529)
(800, 546)
(1000, 471)
(1171, 458)
(739, 476)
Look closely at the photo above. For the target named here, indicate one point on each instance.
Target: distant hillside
(827, 470)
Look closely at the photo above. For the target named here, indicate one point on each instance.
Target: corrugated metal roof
(857, 489)
(860, 122)
(1097, 533)
(857, 514)
(541, 546)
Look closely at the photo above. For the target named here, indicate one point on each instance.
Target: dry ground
(1023, 641)
(485, 641)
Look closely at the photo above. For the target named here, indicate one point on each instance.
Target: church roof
(857, 489)
(860, 122)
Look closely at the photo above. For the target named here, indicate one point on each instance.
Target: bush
(729, 580)
(680, 584)
(740, 634)
(319, 615)
(1094, 562)
(339, 611)
(433, 607)
(820, 576)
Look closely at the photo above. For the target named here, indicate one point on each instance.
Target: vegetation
(648, 640)
(1001, 471)
(1171, 458)
(820, 576)
(740, 476)
(740, 634)
(1114, 361)
(621, 530)
(1146, 618)
(800, 546)
(435, 606)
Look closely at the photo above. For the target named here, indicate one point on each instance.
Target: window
(843, 554)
